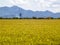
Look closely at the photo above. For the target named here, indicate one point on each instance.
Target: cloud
(35, 5)
(6, 3)
(32, 4)
(55, 6)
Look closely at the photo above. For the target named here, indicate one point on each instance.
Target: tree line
(30, 18)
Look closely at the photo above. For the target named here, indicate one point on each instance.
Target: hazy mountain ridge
(15, 11)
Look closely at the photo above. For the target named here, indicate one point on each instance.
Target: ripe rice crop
(29, 32)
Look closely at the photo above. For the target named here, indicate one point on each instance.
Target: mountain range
(14, 11)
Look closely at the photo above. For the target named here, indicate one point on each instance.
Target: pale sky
(35, 5)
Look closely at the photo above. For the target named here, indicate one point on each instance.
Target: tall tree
(20, 15)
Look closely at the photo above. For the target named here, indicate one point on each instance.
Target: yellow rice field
(29, 32)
